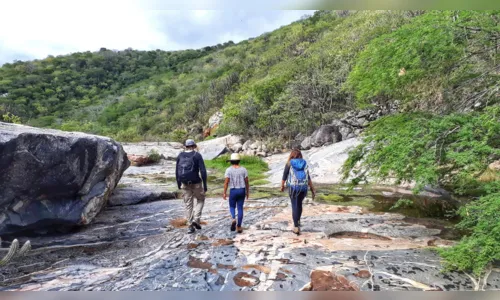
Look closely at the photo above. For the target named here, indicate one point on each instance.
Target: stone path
(145, 247)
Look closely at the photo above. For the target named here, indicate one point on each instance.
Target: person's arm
(247, 184)
(177, 172)
(285, 177)
(226, 184)
(203, 172)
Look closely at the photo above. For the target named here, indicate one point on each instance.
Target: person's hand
(282, 189)
(247, 196)
(224, 196)
(313, 193)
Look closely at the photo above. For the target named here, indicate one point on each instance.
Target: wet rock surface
(146, 246)
(140, 194)
(139, 248)
(54, 179)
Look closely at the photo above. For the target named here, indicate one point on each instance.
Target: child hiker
(237, 181)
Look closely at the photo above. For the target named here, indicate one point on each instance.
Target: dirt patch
(326, 281)
(363, 274)
(198, 263)
(358, 235)
(281, 276)
(179, 223)
(261, 268)
(182, 223)
(226, 267)
(222, 242)
(243, 279)
(192, 246)
(285, 271)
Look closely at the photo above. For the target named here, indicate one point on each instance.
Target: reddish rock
(363, 274)
(198, 263)
(244, 279)
(327, 281)
(225, 267)
(139, 160)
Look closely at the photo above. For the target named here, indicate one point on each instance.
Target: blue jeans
(237, 198)
(297, 197)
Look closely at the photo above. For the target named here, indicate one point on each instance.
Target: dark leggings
(237, 198)
(297, 197)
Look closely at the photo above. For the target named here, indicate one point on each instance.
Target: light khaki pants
(191, 191)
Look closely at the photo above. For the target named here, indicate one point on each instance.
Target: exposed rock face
(348, 127)
(51, 178)
(139, 160)
(138, 194)
(325, 135)
(215, 119)
(168, 151)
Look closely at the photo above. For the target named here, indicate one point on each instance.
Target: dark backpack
(186, 168)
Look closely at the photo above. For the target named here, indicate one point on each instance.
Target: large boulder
(325, 135)
(306, 143)
(51, 179)
(139, 194)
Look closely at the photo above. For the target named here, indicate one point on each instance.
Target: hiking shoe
(296, 230)
(191, 229)
(196, 225)
(239, 229)
(233, 225)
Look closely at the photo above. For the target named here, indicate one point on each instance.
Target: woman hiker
(297, 179)
(237, 181)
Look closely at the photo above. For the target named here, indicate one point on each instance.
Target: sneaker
(191, 229)
(239, 229)
(296, 230)
(196, 225)
(233, 225)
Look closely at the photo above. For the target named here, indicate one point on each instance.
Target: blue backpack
(297, 178)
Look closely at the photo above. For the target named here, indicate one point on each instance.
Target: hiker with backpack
(237, 181)
(296, 178)
(187, 174)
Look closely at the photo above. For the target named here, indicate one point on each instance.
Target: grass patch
(260, 182)
(255, 166)
(330, 198)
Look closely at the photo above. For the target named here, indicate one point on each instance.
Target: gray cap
(190, 143)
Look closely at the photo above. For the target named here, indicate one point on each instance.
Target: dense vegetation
(441, 66)
(451, 151)
(317, 67)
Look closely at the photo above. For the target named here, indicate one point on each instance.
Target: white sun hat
(235, 157)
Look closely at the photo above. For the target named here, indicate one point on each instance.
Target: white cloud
(36, 29)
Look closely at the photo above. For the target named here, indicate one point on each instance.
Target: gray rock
(215, 119)
(53, 179)
(345, 131)
(363, 113)
(306, 143)
(237, 147)
(246, 145)
(325, 135)
(138, 194)
(210, 152)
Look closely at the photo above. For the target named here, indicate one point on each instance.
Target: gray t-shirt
(236, 177)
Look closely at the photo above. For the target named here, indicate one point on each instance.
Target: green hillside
(318, 67)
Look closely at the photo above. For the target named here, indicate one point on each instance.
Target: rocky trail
(139, 242)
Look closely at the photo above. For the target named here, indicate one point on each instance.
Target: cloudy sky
(38, 28)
